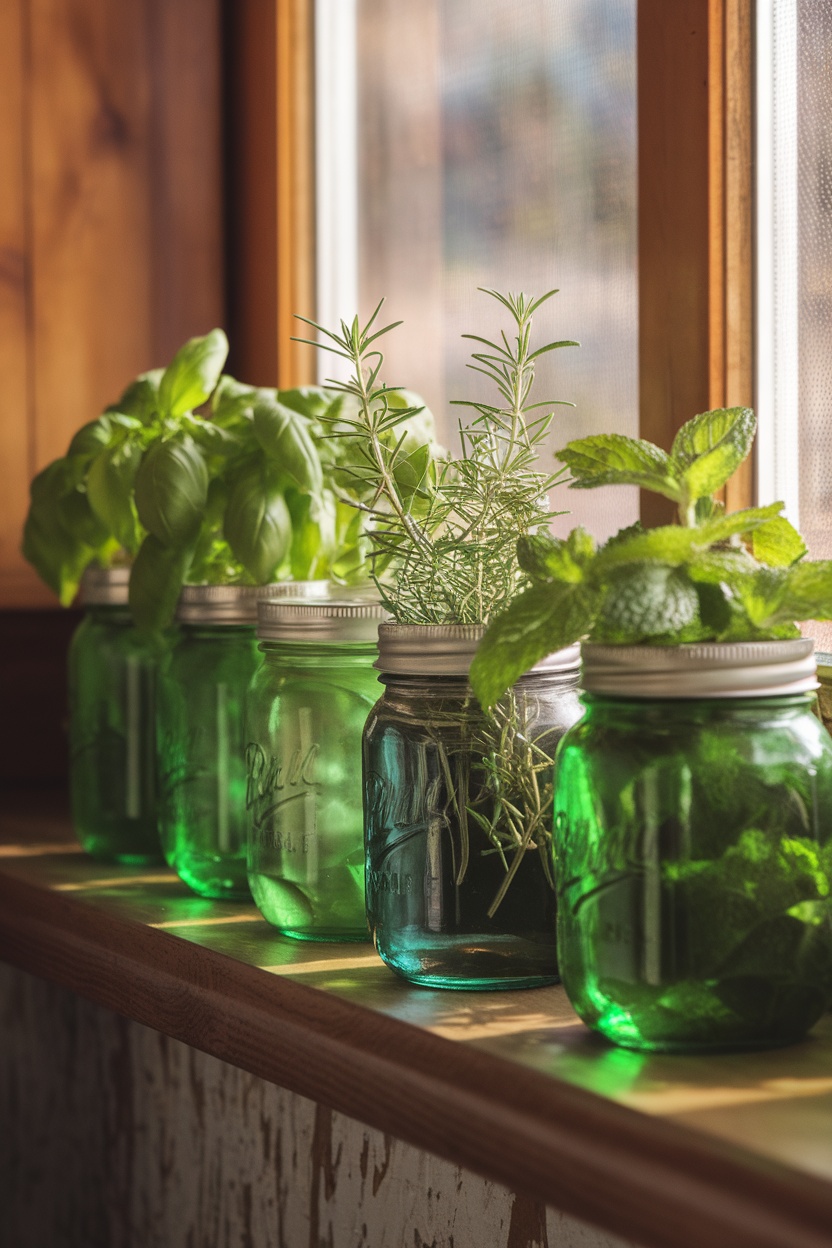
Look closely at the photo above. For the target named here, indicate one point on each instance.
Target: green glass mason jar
(201, 732)
(306, 709)
(824, 662)
(112, 704)
(458, 813)
(692, 833)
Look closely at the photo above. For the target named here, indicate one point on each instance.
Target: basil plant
(192, 476)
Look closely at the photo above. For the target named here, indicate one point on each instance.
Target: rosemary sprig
(448, 528)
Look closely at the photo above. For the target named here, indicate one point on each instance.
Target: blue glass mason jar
(458, 813)
(201, 733)
(306, 709)
(112, 712)
(693, 821)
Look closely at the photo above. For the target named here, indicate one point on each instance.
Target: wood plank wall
(111, 231)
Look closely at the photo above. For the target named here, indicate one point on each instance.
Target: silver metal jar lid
(237, 604)
(742, 669)
(104, 587)
(447, 650)
(334, 619)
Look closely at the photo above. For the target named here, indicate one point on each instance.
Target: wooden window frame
(696, 310)
(696, 301)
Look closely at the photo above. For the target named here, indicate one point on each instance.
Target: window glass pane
(496, 146)
(794, 158)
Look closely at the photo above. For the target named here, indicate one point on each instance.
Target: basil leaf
(110, 482)
(778, 543)
(81, 522)
(171, 490)
(257, 525)
(58, 557)
(285, 438)
(232, 403)
(313, 534)
(141, 398)
(156, 578)
(90, 439)
(712, 446)
(212, 438)
(193, 373)
(613, 459)
(411, 471)
(309, 401)
(540, 620)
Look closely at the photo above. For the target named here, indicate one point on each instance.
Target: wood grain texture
(184, 188)
(297, 364)
(674, 220)
(508, 1085)
(91, 210)
(16, 580)
(737, 387)
(130, 1138)
(695, 220)
(111, 249)
(250, 33)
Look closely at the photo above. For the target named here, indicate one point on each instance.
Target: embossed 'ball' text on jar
(306, 709)
(113, 672)
(693, 815)
(201, 732)
(458, 814)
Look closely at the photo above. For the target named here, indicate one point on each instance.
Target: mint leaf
(647, 602)
(539, 621)
(808, 592)
(778, 543)
(761, 594)
(547, 558)
(612, 459)
(716, 567)
(670, 544)
(745, 521)
(708, 449)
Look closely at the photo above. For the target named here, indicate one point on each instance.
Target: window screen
(794, 106)
(495, 145)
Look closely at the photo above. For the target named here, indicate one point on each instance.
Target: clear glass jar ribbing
(306, 709)
(112, 709)
(456, 896)
(201, 732)
(694, 868)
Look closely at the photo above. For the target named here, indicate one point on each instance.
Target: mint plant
(713, 576)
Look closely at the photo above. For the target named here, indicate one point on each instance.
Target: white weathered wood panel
(114, 1136)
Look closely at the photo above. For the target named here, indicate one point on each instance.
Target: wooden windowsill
(730, 1150)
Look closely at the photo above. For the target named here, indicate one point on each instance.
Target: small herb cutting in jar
(443, 536)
